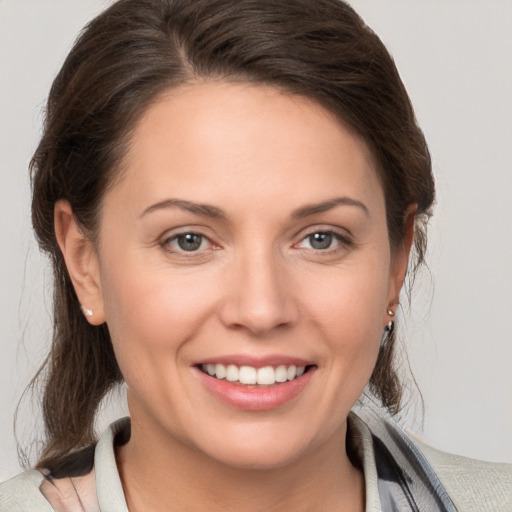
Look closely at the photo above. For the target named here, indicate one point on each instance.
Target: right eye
(186, 242)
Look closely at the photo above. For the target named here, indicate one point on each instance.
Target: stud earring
(391, 312)
(86, 312)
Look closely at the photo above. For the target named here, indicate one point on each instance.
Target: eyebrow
(197, 208)
(324, 206)
(216, 213)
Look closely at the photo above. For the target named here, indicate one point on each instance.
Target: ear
(400, 259)
(81, 262)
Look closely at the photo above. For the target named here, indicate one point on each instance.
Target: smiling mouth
(249, 375)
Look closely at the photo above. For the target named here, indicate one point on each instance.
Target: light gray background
(455, 58)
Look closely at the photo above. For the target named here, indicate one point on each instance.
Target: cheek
(351, 297)
(347, 307)
(150, 311)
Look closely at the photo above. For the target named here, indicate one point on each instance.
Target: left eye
(321, 240)
(188, 242)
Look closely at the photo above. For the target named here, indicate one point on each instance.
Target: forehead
(241, 140)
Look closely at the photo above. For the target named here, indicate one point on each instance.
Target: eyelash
(343, 242)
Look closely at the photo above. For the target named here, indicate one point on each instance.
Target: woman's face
(247, 235)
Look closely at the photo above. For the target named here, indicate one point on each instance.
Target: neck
(159, 472)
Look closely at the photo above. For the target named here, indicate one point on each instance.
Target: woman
(230, 192)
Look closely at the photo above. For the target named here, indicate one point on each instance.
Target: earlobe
(81, 262)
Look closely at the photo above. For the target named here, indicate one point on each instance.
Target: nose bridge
(259, 296)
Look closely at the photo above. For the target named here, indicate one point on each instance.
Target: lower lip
(253, 398)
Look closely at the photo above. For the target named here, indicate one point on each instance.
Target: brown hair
(137, 49)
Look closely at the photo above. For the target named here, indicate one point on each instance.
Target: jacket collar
(397, 475)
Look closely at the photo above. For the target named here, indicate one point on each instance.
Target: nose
(258, 296)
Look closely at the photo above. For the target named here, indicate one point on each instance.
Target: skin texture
(256, 287)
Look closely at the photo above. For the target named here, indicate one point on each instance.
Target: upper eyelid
(170, 236)
(184, 230)
(339, 231)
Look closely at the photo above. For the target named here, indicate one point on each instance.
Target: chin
(259, 448)
(256, 459)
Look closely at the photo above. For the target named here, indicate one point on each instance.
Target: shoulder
(473, 485)
(71, 482)
(408, 467)
(22, 493)
(33, 491)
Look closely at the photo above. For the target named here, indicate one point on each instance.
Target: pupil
(320, 240)
(190, 241)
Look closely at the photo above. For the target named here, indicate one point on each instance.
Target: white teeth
(220, 371)
(281, 374)
(247, 375)
(232, 373)
(265, 376)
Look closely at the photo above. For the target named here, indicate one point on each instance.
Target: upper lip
(256, 361)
